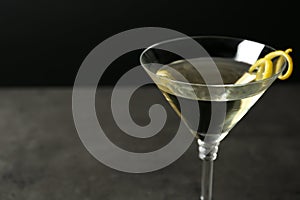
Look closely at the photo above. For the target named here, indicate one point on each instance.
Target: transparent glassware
(208, 91)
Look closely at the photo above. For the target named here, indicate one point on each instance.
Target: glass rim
(201, 84)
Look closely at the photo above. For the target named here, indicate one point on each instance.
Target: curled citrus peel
(264, 66)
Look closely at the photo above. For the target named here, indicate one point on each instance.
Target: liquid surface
(219, 108)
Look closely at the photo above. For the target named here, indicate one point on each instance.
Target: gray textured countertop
(42, 157)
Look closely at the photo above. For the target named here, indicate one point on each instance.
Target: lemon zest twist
(264, 66)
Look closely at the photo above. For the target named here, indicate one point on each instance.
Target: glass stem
(207, 153)
(207, 179)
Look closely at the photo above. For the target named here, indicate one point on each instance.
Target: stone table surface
(42, 157)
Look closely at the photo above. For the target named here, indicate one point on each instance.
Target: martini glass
(213, 76)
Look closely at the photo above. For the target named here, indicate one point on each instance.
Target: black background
(43, 43)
